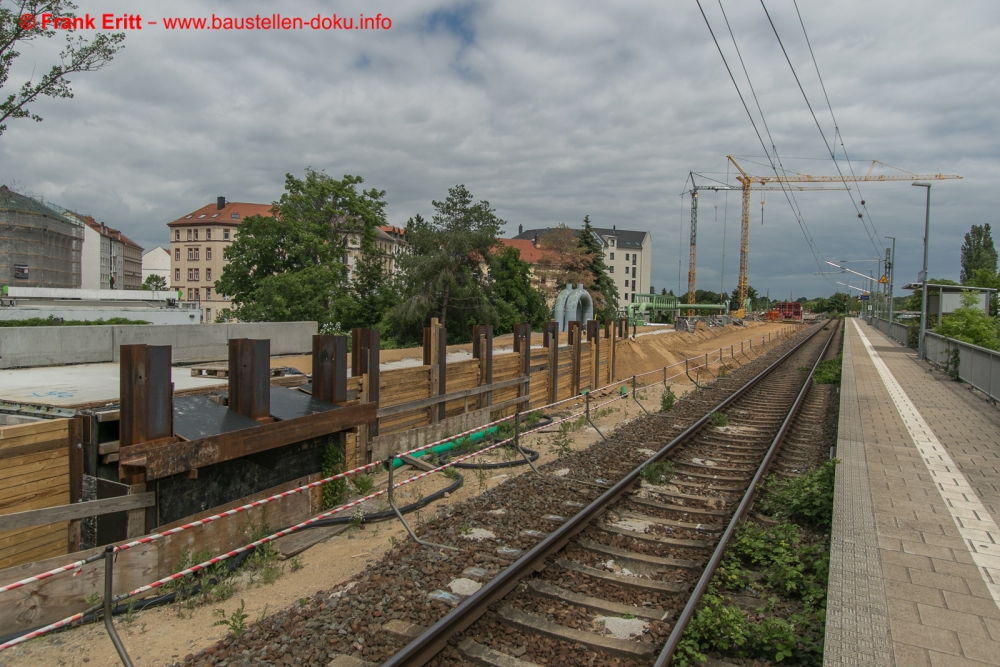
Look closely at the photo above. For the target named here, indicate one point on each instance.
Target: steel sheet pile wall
(34, 473)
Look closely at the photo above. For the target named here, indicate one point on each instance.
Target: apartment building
(156, 262)
(390, 241)
(197, 242)
(628, 255)
(109, 259)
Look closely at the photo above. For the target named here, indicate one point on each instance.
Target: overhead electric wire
(878, 247)
(793, 204)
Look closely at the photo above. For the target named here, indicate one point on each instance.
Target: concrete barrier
(56, 346)
(51, 346)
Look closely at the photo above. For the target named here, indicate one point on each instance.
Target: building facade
(197, 243)
(156, 262)
(39, 245)
(110, 260)
(628, 255)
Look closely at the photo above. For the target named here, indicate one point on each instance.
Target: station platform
(915, 549)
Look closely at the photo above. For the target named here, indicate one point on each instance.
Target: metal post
(390, 462)
(890, 267)
(636, 398)
(922, 352)
(587, 398)
(109, 565)
(517, 439)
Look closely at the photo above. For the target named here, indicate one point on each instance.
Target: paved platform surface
(915, 551)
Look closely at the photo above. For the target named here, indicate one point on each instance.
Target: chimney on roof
(614, 228)
(221, 203)
(520, 229)
(534, 241)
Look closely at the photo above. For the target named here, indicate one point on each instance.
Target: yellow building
(197, 242)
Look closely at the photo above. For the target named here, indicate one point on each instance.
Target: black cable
(822, 134)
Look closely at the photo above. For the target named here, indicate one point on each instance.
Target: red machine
(789, 310)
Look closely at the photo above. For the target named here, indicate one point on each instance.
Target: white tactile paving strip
(978, 529)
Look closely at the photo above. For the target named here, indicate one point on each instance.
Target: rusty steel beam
(163, 460)
(250, 377)
(482, 349)
(146, 394)
(329, 368)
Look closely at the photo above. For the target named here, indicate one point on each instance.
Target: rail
(110, 553)
(432, 641)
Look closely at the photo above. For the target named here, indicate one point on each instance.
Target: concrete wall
(174, 316)
(56, 346)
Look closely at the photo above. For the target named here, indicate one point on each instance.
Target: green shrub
(828, 372)
(334, 493)
(363, 484)
(667, 400)
(720, 419)
(60, 322)
(806, 500)
(658, 472)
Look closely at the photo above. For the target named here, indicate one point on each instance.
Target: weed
(627, 616)
(720, 419)
(828, 372)
(392, 540)
(450, 473)
(93, 599)
(358, 518)
(658, 472)
(261, 616)
(363, 484)
(130, 613)
(806, 500)
(723, 370)
(482, 474)
(236, 621)
(335, 492)
(296, 563)
(667, 400)
(263, 562)
(223, 591)
(466, 528)
(561, 444)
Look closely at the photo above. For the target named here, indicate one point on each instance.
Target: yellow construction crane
(694, 222)
(747, 182)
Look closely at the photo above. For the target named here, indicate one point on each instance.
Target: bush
(658, 472)
(720, 419)
(60, 322)
(806, 500)
(667, 400)
(828, 372)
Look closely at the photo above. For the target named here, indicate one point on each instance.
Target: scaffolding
(38, 246)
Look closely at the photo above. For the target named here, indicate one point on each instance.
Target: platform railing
(977, 366)
(894, 330)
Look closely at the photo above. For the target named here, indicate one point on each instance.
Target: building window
(189, 235)
(225, 234)
(197, 278)
(208, 253)
(177, 275)
(190, 293)
(177, 254)
(611, 269)
(208, 315)
(196, 235)
(634, 256)
(208, 233)
(611, 255)
(626, 257)
(191, 276)
(208, 274)
(197, 251)
(626, 285)
(236, 216)
(177, 235)
(197, 294)
(208, 294)
(190, 254)
(626, 294)
(611, 242)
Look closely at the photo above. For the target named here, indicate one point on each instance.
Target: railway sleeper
(620, 579)
(666, 541)
(708, 527)
(656, 563)
(668, 507)
(484, 656)
(543, 589)
(531, 623)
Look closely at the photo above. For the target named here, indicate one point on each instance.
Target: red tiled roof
(211, 214)
(391, 229)
(104, 230)
(529, 252)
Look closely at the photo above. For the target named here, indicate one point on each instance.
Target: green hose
(451, 444)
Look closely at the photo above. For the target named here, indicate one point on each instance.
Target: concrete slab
(80, 383)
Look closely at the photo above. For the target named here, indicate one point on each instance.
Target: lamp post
(890, 269)
(922, 349)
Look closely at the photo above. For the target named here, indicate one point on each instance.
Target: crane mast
(747, 182)
(694, 248)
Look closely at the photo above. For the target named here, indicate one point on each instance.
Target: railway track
(617, 582)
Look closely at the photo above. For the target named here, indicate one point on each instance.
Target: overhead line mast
(748, 182)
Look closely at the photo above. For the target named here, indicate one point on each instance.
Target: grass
(658, 472)
(720, 419)
(828, 372)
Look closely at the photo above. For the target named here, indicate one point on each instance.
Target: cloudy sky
(549, 110)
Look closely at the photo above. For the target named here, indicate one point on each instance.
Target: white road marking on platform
(981, 535)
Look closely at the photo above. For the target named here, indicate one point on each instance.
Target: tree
(564, 261)
(986, 278)
(970, 324)
(24, 21)
(914, 302)
(978, 252)
(290, 266)
(445, 268)
(602, 286)
(154, 282)
(515, 298)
